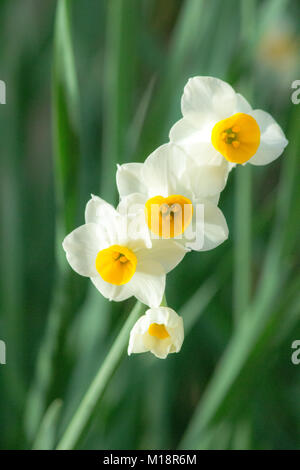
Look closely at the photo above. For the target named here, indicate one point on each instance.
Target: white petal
(148, 287)
(159, 347)
(111, 225)
(129, 179)
(115, 226)
(207, 180)
(111, 291)
(207, 99)
(174, 325)
(133, 207)
(177, 336)
(162, 170)
(190, 137)
(175, 329)
(212, 231)
(172, 321)
(94, 209)
(141, 341)
(272, 139)
(195, 142)
(167, 253)
(242, 105)
(132, 204)
(136, 341)
(82, 246)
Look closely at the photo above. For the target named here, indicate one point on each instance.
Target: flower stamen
(116, 264)
(158, 330)
(168, 217)
(237, 138)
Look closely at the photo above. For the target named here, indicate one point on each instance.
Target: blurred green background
(96, 82)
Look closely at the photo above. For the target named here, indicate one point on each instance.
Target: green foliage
(107, 77)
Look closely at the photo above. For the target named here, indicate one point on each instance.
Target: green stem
(90, 401)
(164, 302)
(118, 75)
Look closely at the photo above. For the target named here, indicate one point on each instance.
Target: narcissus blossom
(177, 197)
(169, 205)
(159, 331)
(219, 123)
(117, 259)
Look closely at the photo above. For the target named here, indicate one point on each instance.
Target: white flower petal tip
(96, 209)
(160, 331)
(219, 124)
(128, 178)
(272, 139)
(81, 247)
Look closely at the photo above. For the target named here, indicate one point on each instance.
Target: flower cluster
(169, 206)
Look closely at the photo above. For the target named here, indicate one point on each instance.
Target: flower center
(237, 138)
(169, 216)
(116, 264)
(157, 330)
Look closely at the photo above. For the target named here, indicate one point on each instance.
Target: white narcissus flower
(177, 198)
(219, 124)
(120, 263)
(159, 331)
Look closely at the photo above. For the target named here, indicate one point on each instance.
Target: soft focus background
(98, 82)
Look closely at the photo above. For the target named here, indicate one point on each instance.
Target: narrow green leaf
(118, 88)
(46, 435)
(243, 192)
(68, 289)
(252, 325)
(91, 399)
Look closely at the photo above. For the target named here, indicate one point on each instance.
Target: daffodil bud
(159, 331)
